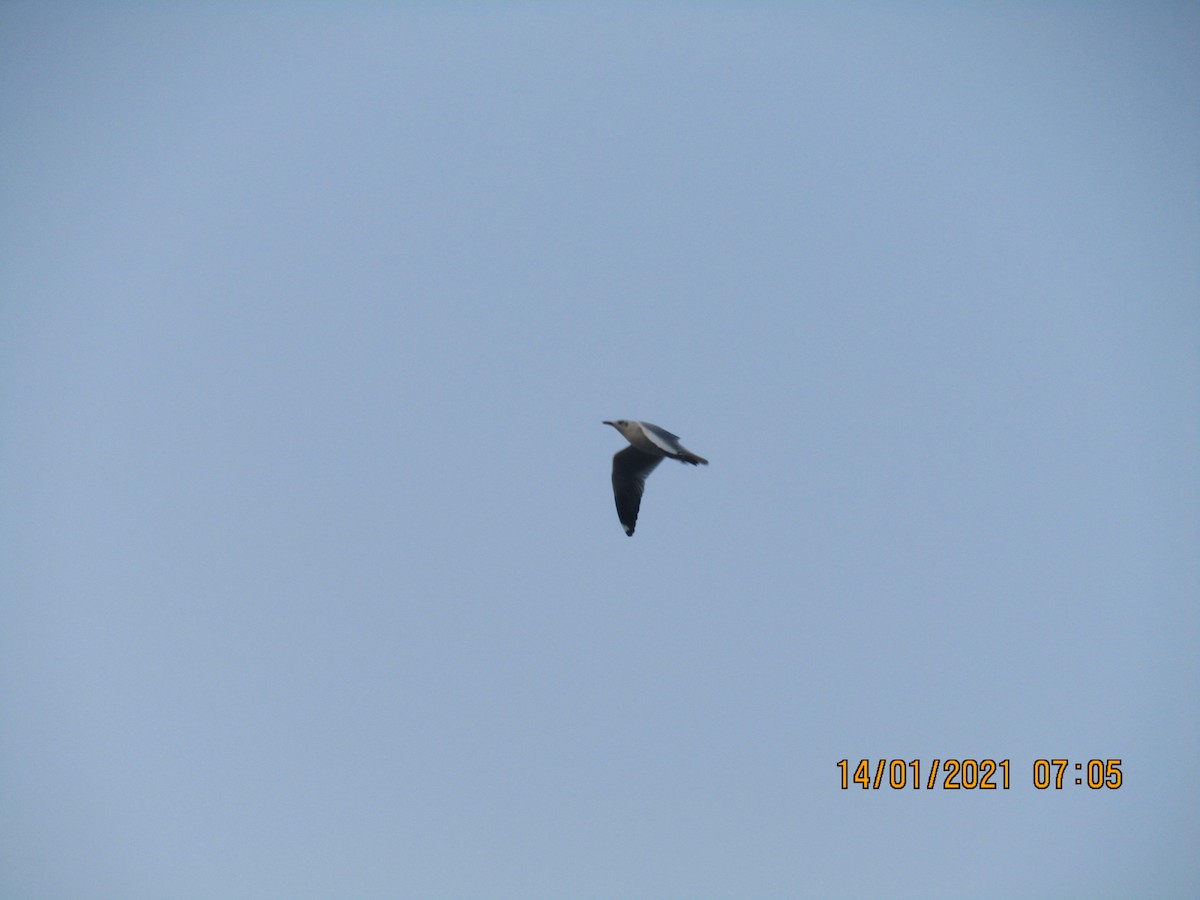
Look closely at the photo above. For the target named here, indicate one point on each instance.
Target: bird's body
(648, 445)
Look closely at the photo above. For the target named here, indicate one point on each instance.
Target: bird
(648, 444)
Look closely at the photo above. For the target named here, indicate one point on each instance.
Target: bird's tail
(688, 456)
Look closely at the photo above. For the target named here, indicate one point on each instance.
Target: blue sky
(312, 584)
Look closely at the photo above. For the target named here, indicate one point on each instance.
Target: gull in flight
(648, 444)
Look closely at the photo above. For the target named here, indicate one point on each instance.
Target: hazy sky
(311, 583)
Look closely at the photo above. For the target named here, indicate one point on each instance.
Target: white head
(625, 426)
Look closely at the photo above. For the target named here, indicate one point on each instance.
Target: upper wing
(661, 437)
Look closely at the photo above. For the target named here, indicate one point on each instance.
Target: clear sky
(311, 583)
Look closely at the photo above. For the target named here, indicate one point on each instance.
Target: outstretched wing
(630, 468)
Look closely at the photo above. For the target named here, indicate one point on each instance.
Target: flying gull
(648, 444)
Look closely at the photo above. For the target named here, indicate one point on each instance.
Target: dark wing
(630, 468)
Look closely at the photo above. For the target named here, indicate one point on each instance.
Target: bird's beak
(606, 422)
